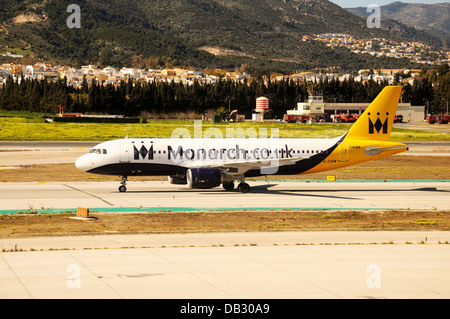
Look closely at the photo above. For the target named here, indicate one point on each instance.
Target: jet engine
(206, 177)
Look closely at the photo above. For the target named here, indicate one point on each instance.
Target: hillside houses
(114, 76)
(414, 51)
(111, 75)
(363, 76)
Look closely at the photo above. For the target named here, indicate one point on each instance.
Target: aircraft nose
(82, 163)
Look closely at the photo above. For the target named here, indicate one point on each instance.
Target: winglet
(377, 120)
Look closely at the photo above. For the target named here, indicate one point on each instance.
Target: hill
(265, 35)
(430, 18)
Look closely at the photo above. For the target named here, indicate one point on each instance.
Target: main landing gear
(123, 183)
(242, 187)
(228, 186)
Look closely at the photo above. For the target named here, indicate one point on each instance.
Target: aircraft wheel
(228, 186)
(122, 189)
(244, 187)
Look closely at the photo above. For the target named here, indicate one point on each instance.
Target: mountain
(433, 19)
(264, 35)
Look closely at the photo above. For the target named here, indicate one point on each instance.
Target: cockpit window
(98, 151)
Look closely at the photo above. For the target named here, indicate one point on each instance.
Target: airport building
(316, 108)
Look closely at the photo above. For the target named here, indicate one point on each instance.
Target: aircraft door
(343, 152)
(125, 151)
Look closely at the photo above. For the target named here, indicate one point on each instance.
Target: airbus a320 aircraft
(211, 162)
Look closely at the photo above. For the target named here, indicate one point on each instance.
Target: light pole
(428, 104)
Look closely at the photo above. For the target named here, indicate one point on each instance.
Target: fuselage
(159, 157)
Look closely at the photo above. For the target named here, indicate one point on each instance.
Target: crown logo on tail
(378, 126)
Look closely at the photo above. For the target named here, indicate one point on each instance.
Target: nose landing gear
(123, 183)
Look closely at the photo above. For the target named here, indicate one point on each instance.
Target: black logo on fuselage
(143, 152)
(378, 125)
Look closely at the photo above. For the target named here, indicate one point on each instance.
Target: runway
(35, 153)
(162, 196)
(289, 265)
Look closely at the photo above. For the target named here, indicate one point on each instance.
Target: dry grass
(12, 226)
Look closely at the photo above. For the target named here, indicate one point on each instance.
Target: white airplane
(211, 162)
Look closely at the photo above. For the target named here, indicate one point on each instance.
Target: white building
(132, 72)
(315, 107)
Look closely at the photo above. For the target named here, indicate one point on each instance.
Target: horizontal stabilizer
(372, 151)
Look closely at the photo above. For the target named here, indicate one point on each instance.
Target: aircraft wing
(239, 168)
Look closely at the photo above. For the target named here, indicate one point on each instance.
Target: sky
(365, 3)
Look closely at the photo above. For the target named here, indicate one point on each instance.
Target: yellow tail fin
(376, 121)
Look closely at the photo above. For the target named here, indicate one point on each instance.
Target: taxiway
(156, 196)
